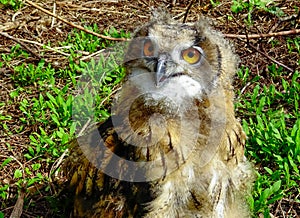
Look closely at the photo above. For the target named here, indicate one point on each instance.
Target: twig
(56, 164)
(248, 37)
(84, 127)
(81, 8)
(91, 55)
(292, 202)
(243, 89)
(99, 1)
(74, 25)
(291, 17)
(173, 3)
(9, 26)
(107, 97)
(45, 46)
(32, 159)
(255, 36)
(187, 11)
(13, 19)
(145, 3)
(54, 12)
(21, 43)
(18, 208)
(277, 208)
(179, 15)
(275, 61)
(21, 165)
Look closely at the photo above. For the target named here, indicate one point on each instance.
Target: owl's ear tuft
(159, 14)
(203, 24)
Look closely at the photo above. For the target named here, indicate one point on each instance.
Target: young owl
(173, 147)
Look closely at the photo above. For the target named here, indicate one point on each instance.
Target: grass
(271, 120)
(49, 105)
(252, 5)
(13, 4)
(44, 97)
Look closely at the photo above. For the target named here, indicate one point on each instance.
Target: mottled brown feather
(209, 177)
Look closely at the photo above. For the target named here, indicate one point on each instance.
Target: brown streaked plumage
(174, 147)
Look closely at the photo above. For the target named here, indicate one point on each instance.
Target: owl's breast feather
(180, 89)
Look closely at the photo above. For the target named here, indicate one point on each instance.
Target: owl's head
(175, 92)
(182, 59)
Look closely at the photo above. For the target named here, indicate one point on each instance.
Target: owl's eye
(191, 55)
(148, 49)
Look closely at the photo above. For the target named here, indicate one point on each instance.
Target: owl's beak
(160, 74)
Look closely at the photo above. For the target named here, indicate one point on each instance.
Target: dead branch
(255, 36)
(21, 43)
(54, 12)
(9, 26)
(92, 55)
(272, 59)
(187, 11)
(74, 25)
(18, 208)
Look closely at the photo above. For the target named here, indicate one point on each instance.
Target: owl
(172, 147)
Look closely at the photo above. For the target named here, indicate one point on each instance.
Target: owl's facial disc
(171, 63)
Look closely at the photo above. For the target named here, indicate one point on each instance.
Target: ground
(29, 151)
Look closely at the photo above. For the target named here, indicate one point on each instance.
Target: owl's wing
(95, 193)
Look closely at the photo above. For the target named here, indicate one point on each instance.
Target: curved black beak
(160, 74)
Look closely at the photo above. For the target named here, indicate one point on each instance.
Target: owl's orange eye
(191, 55)
(148, 48)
